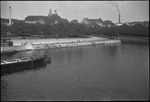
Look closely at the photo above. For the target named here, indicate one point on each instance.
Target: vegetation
(72, 30)
(135, 30)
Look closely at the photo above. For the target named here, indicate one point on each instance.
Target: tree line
(72, 30)
(135, 30)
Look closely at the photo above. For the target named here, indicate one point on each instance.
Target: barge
(22, 62)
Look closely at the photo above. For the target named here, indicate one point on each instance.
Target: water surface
(101, 72)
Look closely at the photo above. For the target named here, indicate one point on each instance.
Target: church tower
(55, 12)
(50, 13)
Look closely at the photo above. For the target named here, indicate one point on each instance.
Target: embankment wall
(58, 45)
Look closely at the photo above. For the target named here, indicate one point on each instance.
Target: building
(6, 21)
(119, 24)
(7, 45)
(108, 23)
(35, 19)
(92, 22)
(5, 42)
(38, 19)
(100, 22)
(50, 19)
(74, 21)
(144, 23)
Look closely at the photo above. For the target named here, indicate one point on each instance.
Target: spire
(50, 13)
(55, 12)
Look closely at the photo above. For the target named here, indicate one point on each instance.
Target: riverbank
(55, 40)
(134, 39)
(31, 44)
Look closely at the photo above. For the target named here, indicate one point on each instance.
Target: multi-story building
(35, 19)
(100, 22)
(51, 18)
(92, 21)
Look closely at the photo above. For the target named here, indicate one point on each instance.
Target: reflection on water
(112, 50)
(101, 72)
(21, 70)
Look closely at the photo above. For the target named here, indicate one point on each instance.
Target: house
(108, 23)
(7, 45)
(74, 21)
(92, 22)
(5, 21)
(5, 42)
(144, 23)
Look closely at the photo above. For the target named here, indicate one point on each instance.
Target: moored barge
(22, 62)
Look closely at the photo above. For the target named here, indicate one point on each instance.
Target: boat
(22, 62)
(9, 52)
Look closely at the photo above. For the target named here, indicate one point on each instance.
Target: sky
(106, 10)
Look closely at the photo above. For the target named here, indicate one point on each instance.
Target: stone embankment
(72, 44)
(20, 45)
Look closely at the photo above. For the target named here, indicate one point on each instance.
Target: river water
(89, 73)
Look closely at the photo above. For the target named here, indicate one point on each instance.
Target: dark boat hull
(31, 64)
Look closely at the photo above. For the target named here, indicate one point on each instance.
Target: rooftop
(94, 20)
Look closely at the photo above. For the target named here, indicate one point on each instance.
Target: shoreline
(134, 39)
(55, 40)
(33, 44)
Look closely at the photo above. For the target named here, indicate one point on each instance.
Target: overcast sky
(106, 10)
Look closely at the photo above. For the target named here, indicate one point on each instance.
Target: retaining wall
(57, 45)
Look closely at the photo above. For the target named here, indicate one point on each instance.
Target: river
(90, 73)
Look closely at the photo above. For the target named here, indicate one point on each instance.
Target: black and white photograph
(75, 50)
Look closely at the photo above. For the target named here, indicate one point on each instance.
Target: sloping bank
(134, 39)
(31, 44)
